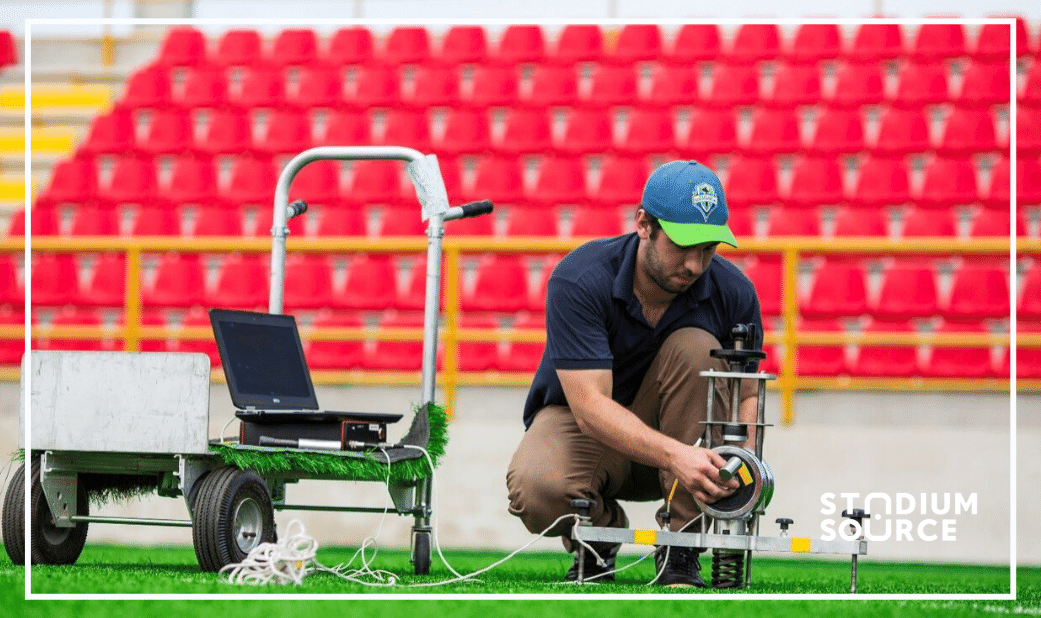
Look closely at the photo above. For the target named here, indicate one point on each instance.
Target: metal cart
(111, 422)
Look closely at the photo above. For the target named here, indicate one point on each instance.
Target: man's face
(671, 267)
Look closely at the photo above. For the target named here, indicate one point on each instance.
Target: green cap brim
(690, 234)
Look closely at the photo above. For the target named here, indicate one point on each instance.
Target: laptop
(263, 361)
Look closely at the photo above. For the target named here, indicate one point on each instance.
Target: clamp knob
(584, 506)
(784, 523)
(857, 515)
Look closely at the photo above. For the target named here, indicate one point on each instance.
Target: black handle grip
(476, 209)
(296, 209)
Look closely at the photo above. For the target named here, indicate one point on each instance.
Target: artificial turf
(128, 571)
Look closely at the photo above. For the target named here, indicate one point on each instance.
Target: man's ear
(643, 226)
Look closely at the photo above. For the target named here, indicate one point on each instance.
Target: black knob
(584, 506)
(665, 517)
(784, 522)
(856, 515)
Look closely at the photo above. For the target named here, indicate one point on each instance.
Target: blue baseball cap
(687, 198)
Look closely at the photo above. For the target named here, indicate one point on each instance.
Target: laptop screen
(263, 360)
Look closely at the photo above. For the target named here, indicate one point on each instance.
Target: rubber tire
(421, 553)
(50, 544)
(220, 495)
(14, 517)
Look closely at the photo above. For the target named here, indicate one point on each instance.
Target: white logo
(704, 199)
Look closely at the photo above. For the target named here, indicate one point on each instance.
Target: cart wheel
(14, 517)
(50, 544)
(233, 514)
(421, 553)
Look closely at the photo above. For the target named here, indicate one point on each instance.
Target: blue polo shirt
(593, 320)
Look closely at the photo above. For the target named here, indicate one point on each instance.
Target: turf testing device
(733, 520)
(123, 424)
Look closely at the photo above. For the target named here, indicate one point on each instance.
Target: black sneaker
(593, 572)
(683, 570)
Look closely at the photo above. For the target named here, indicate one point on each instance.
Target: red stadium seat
(672, 85)
(521, 43)
(947, 182)
(1030, 94)
(1029, 303)
(733, 85)
(288, 132)
(621, 181)
(754, 42)
(978, 292)
(636, 43)
(921, 84)
(43, 221)
(8, 49)
(317, 182)
(370, 284)
(493, 86)
(478, 355)
(146, 88)
(648, 131)
(375, 182)
(968, 131)
(578, 43)
(217, 220)
(993, 40)
(402, 221)
(711, 131)
(741, 222)
(881, 181)
(106, 282)
(1028, 132)
(751, 181)
(72, 180)
(960, 361)
(877, 41)
(179, 281)
(928, 222)
(239, 47)
(990, 224)
(406, 45)
(537, 295)
(551, 85)
(824, 359)
(908, 290)
(766, 275)
(890, 360)
(226, 132)
(349, 45)
(815, 181)
(694, 43)
(586, 131)
(938, 42)
(134, 180)
(500, 284)
(183, 46)
(611, 85)
(373, 86)
(838, 289)
(590, 220)
(524, 355)
(463, 45)
(346, 127)
(526, 131)
(901, 131)
(816, 42)
(406, 127)
(413, 295)
(74, 316)
(433, 86)
(856, 84)
(838, 130)
(243, 282)
(335, 354)
(198, 317)
(773, 131)
(294, 47)
(796, 83)
(340, 222)
(985, 83)
(317, 87)
(169, 132)
(252, 181)
(499, 179)
(855, 221)
(156, 220)
(558, 180)
(998, 194)
(92, 219)
(466, 131)
(204, 87)
(12, 292)
(260, 87)
(110, 133)
(309, 281)
(397, 355)
(55, 280)
(530, 221)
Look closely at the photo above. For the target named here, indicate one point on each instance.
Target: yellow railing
(450, 377)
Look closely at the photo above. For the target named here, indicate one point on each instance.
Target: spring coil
(727, 568)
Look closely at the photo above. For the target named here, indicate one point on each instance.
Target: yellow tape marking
(645, 537)
(746, 476)
(801, 544)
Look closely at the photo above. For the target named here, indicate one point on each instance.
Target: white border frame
(1011, 22)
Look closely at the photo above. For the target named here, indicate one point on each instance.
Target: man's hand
(698, 472)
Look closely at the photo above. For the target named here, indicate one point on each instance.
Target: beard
(652, 267)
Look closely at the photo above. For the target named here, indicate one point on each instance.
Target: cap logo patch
(704, 199)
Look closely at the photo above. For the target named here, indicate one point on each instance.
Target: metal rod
(432, 306)
(760, 429)
(335, 509)
(853, 576)
(710, 412)
(754, 527)
(97, 519)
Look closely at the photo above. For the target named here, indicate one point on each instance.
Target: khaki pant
(556, 463)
